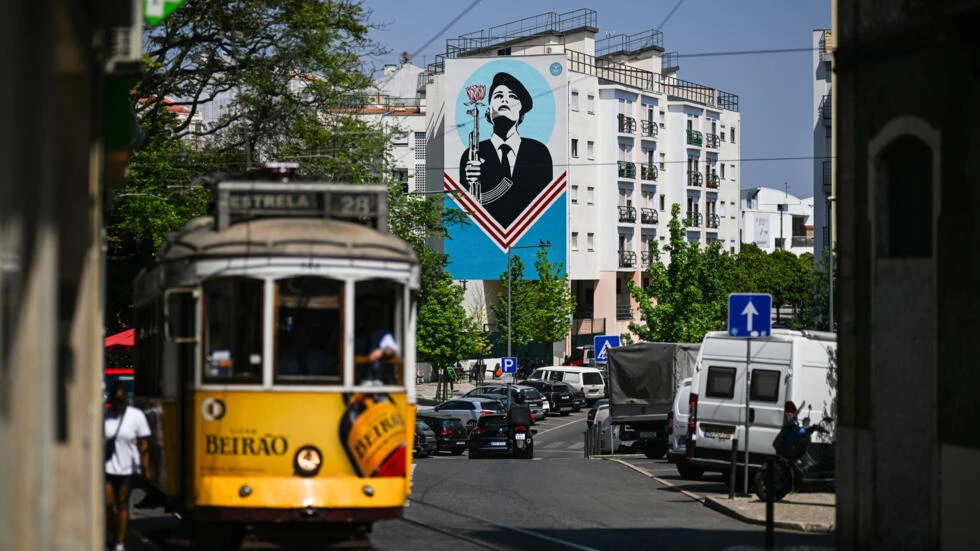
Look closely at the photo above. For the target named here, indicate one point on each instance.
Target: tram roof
(295, 237)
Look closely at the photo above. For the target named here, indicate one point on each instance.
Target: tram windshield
(233, 330)
(378, 333)
(309, 330)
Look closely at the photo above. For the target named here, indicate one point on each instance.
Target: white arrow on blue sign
(749, 315)
(508, 365)
(603, 343)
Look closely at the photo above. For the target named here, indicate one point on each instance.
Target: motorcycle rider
(520, 412)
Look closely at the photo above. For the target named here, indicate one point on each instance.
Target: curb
(721, 507)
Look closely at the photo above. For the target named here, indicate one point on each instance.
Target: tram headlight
(308, 461)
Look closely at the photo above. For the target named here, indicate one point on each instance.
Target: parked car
(581, 356)
(450, 432)
(614, 438)
(677, 432)
(493, 436)
(425, 440)
(559, 396)
(470, 409)
(590, 418)
(504, 400)
(531, 397)
(482, 390)
(586, 379)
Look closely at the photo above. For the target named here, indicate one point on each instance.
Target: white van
(587, 380)
(787, 369)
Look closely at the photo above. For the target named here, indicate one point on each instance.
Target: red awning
(120, 342)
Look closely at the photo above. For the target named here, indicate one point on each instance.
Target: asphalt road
(560, 500)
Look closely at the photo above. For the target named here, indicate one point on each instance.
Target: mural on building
(761, 233)
(505, 160)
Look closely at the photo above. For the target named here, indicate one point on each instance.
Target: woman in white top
(128, 428)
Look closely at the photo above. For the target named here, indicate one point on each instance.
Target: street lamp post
(831, 199)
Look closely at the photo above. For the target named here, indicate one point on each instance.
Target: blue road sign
(749, 315)
(603, 343)
(508, 365)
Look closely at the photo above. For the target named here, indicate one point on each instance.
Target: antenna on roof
(610, 34)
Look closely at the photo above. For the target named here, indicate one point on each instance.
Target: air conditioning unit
(124, 39)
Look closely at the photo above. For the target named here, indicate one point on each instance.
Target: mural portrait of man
(509, 171)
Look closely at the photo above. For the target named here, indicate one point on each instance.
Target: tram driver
(375, 340)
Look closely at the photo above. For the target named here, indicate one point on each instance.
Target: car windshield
(492, 406)
(531, 394)
(592, 378)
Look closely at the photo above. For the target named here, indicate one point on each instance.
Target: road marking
(540, 432)
(524, 531)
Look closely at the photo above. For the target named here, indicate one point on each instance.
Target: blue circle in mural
(538, 123)
(555, 68)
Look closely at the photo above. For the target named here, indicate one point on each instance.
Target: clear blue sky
(775, 90)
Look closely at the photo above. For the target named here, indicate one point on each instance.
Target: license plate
(460, 443)
(719, 435)
(498, 443)
(566, 409)
(648, 434)
(519, 436)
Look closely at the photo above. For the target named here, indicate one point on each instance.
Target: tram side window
(233, 325)
(309, 330)
(378, 332)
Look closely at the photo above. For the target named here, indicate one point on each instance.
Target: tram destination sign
(242, 201)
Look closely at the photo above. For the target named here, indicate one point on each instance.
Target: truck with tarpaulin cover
(643, 379)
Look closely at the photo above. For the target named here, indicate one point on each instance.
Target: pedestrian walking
(126, 434)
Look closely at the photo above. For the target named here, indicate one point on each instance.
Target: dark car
(578, 396)
(559, 395)
(492, 436)
(595, 407)
(450, 432)
(425, 440)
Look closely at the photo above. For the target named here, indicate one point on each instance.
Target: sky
(775, 90)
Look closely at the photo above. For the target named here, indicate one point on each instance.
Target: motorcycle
(796, 466)
(523, 445)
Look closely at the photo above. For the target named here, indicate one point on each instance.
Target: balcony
(802, 241)
(624, 310)
(713, 181)
(693, 137)
(826, 110)
(828, 174)
(694, 178)
(649, 129)
(645, 258)
(627, 259)
(711, 140)
(713, 221)
(649, 172)
(649, 216)
(626, 169)
(627, 214)
(627, 125)
(693, 220)
(588, 325)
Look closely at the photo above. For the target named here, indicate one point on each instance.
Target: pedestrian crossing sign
(602, 344)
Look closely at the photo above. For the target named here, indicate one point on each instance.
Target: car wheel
(458, 452)
(689, 471)
(655, 449)
(474, 454)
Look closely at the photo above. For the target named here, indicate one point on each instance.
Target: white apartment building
(823, 163)
(639, 140)
(400, 112)
(774, 219)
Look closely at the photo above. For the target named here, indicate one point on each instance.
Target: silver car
(534, 399)
(469, 410)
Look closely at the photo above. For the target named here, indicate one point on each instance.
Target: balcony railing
(627, 214)
(649, 172)
(826, 110)
(624, 311)
(711, 140)
(694, 220)
(649, 129)
(693, 137)
(694, 178)
(802, 241)
(645, 258)
(588, 325)
(828, 174)
(627, 125)
(649, 216)
(626, 169)
(714, 181)
(627, 259)
(713, 221)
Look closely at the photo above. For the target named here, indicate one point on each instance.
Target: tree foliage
(521, 305)
(448, 332)
(551, 300)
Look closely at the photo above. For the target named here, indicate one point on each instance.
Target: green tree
(552, 303)
(815, 307)
(522, 302)
(448, 333)
(683, 299)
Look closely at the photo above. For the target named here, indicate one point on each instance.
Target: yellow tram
(255, 333)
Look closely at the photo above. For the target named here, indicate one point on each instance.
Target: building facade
(775, 220)
(638, 140)
(823, 146)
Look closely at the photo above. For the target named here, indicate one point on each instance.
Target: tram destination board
(242, 201)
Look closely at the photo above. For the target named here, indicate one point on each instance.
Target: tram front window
(377, 333)
(309, 330)
(233, 325)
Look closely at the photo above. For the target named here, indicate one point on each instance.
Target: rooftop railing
(629, 44)
(548, 22)
(669, 63)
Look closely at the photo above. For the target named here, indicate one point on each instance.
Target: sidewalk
(805, 512)
(426, 392)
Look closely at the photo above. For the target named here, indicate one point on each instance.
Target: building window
(733, 134)
(590, 241)
(663, 161)
(590, 103)
(722, 170)
(663, 202)
(420, 178)
(590, 195)
(904, 200)
(400, 175)
(399, 137)
(574, 147)
(503, 51)
(574, 240)
(573, 104)
(590, 149)
(574, 195)
(420, 145)
(731, 172)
